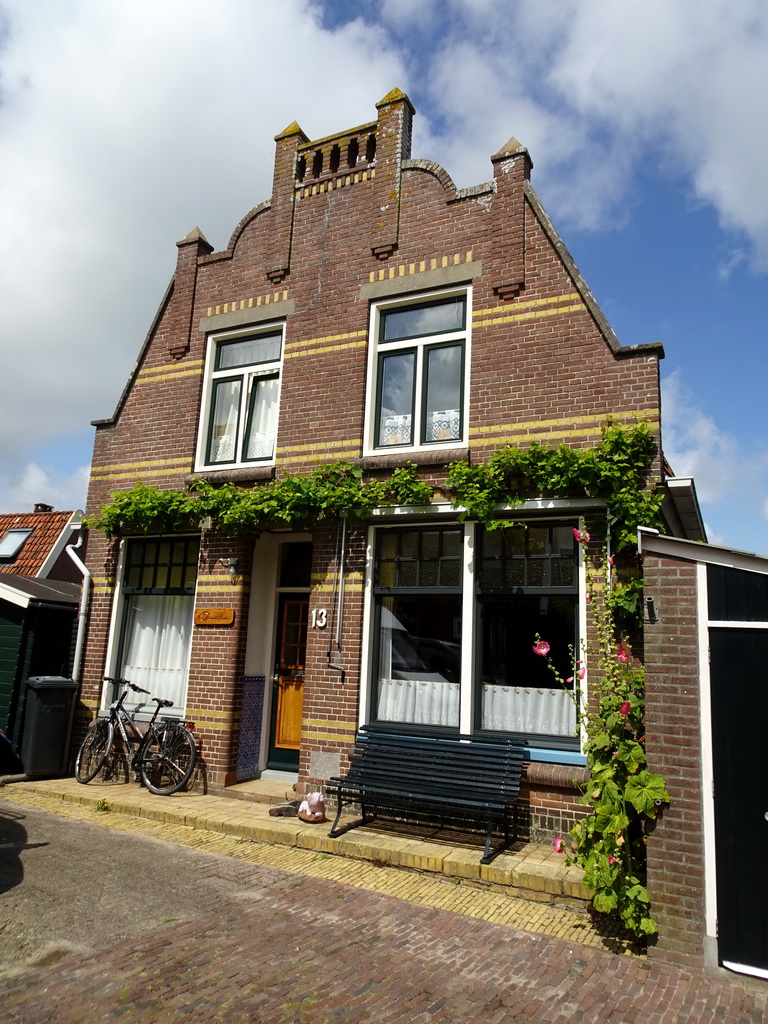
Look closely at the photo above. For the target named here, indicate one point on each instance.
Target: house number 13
(319, 618)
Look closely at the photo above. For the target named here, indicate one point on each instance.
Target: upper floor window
(242, 398)
(417, 374)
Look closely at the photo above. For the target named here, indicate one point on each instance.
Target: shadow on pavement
(13, 839)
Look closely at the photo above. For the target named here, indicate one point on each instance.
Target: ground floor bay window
(455, 612)
(158, 598)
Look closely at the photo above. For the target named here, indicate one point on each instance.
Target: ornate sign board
(214, 616)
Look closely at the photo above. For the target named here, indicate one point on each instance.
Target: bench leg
(488, 853)
(335, 831)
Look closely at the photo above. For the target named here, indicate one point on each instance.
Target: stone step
(526, 870)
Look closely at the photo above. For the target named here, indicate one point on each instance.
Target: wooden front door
(288, 683)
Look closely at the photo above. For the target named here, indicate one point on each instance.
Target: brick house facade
(368, 312)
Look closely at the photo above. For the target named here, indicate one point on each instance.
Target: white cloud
(601, 91)
(35, 484)
(731, 479)
(123, 125)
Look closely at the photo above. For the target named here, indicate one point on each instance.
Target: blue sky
(124, 125)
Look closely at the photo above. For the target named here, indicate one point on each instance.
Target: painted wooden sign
(214, 616)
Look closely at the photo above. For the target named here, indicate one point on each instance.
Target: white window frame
(469, 693)
(250, 375)
(116, 637)
(375, 349)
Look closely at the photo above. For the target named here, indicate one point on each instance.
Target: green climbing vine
(293, 501)
(616, 471)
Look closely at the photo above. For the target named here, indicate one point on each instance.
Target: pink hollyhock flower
(611, 859)
(582, 537)
(541, 647)
(622, 654)
(625, 708)
(559, 845)
(612, 561)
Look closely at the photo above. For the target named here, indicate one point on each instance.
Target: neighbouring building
(368, 312)
(39, 597)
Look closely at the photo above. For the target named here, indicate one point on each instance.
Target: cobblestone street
(302, 949)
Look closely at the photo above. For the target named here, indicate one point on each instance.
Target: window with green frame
(418, 588)
(243, 398)
(419, 374)
(527, 586)
(437, 666)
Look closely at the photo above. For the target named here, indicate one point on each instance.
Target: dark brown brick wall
(673, 744)
(541, 369)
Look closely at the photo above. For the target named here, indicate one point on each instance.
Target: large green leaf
(645, 791)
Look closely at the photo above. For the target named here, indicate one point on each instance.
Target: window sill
(241, 475)
(430, 457)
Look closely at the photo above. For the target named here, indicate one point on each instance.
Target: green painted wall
(33, 642)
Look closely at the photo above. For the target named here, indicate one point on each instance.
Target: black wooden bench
(447, 781)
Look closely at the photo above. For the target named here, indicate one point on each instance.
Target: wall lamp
(231, 564)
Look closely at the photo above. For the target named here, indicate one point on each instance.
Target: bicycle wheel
(169, 759)
(94, 750)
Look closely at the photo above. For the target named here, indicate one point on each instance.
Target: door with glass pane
(288, 682)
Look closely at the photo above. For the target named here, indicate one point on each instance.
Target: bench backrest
(469, 768)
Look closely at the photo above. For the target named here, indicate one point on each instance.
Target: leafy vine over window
(622, 795)
(615, 471)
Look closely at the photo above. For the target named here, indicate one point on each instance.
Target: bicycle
(163, 755)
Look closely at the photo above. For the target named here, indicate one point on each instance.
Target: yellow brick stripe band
(170, 371)
(336, 450)
(260, 300)
(323, 456)
(527, 304)
(406, 269)
(523, 433)
(326, 348)
(224, 588)
(198, 717)
(329, 577)
(325, 340)
(134, 470)
(533, 314)
(328, 588)
(340, 182)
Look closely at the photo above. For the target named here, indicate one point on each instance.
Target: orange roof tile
(46, 529)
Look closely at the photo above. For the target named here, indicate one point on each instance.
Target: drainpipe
(82, 612)
(338, 598)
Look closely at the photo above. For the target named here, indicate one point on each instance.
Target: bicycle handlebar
(125, 682)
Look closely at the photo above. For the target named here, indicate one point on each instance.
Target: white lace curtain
(529, 710)
(157, 639)
(505, 708)
(418, 702)
(261, 436)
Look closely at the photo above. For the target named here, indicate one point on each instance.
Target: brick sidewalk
(315, 950)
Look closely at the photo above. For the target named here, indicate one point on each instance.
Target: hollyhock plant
(621, 795)
(541, 647)
(582, 537)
